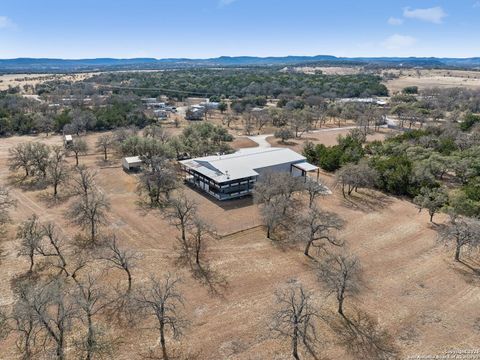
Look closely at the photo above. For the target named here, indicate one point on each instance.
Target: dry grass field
(328, 138)
(433, 78)
(411, 284)
(12, 80)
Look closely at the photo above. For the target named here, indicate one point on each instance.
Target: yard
(411, 284)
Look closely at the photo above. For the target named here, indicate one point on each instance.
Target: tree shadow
(469, 269)
(367, 201)
(107, 164)
(25, 183)
(215, 282)
(51, 201)
(362, 337)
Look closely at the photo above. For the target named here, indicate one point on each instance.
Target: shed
(132, 163)
(67, 140)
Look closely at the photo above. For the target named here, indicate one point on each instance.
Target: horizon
(242, 56)
(165, 29)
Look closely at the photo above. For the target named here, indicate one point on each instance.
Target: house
(210, 105)
(160, 114)
(234, 175)
(195, 112)
(132, 163)
(67, 140)
(374, 101)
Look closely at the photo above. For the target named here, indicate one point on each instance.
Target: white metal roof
(133, 159)
(305, 166)
(242, 163)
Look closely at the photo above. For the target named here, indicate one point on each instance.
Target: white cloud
(6, 23)
(476, 4)
(434, 15)
(395, 21)
(397, 42)
(223, 3)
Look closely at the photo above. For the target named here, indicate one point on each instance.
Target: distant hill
(34, 65)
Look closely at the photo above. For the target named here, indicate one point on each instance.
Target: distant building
(364, 100)
(160, 114)
(195, 112)
(67, 140)
(132, 163)
(234, 175)
(149, 100)
(211, 105)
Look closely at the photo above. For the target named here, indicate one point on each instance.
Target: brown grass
(412, 286)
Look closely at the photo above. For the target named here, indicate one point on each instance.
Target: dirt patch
(242, 142)
(327, 138)
(434, 78)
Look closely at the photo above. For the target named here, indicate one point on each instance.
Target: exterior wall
(236, 188)
(221, 191)
(131, 166)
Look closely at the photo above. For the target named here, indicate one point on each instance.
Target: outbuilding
(67, 140)
(132, 163)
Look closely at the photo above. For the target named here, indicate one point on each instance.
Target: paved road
(261, 140)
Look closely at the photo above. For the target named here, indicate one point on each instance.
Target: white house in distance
(67, 140)
(131, 163)
(234, 175)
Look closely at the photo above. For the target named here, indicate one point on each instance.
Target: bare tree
(104, 143)
(21, 320)
(181, 212)
(39, 154)
(248, 123)
(44, 123)
(162, 300)
(314, 228)
(91, 301)
(354, 176)
(81, 120)
(6, 204)
(193, 249)
(30, 233)
(295, 317)
(78, 147)
(53, 310)
(314, 189)
(52, 246)
(274, 185)
(157, 132)
(229, 118)
(276, 213)
(89, 212)
(340, 274)
(57, 169)
(19, 158)
(275, 193)
(158, 182)
(464, 233)
(84, 183)
(122, 259)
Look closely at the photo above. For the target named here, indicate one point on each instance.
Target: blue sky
(209, 28)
